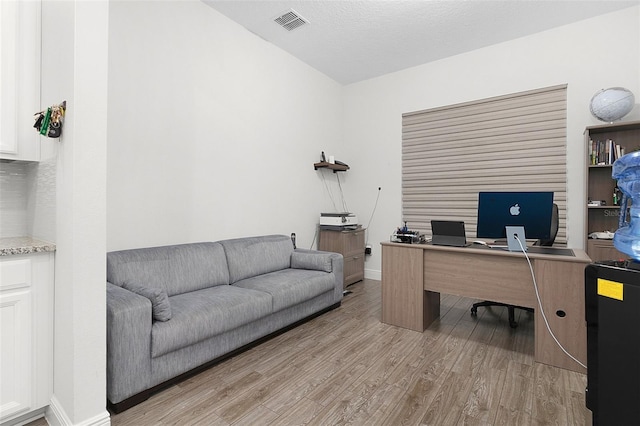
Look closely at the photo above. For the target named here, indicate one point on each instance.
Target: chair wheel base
(511, 309)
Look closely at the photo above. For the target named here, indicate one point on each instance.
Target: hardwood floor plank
(548, 400)
(516, 397)
(446, 407)
(436, 364)
(411, 407)
(337, 384)
(483, 401)
(301, 413)
(510, 417)
(258, 415)
(576, 414)
(198, 399)
(339, 410)
(390, 358)
(257, 394)
(411, 368)
(377, 405)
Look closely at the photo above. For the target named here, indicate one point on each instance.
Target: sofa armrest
(128, 343)
(324, 261)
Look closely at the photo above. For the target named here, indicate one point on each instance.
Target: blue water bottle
(626, 170)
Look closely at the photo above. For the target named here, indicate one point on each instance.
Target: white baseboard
(57, 416)
(373, 274)
(25, 418)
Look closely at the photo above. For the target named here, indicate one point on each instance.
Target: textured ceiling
(351, 40)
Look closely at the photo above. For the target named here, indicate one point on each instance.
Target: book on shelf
(604, 152)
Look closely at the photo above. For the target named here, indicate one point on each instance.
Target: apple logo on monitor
(514, 210)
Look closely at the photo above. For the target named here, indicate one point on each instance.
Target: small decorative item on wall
(612, 104)
(49, 122)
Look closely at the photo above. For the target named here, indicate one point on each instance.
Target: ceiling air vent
(290, 20)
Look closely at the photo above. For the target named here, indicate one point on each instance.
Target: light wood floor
(348, 367)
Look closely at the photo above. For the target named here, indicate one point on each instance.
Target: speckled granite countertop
(24, 245)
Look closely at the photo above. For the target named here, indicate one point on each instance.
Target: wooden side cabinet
(350, 244)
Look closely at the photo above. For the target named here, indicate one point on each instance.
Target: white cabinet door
(20, 30)
(15, 338)
(26, 333)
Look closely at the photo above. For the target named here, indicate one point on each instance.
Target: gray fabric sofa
(174, 310)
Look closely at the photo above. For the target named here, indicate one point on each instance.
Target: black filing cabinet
(612, 297)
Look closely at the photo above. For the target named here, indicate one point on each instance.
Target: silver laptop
(448, 233)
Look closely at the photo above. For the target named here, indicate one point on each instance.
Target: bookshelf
(604, 144)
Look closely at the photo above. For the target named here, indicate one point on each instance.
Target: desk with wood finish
(414, 275)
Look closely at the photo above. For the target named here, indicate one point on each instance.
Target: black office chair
(546, 243)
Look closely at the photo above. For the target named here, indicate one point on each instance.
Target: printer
(343, 220)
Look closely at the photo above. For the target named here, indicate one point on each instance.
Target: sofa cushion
(174, 269)
(145, 267)
(201, 314)
(289, 287)
(197, 266)
(253, 256)
(160, 307)
(315, 261)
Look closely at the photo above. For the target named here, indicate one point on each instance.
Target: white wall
(213, 131)
(74, 67)
(588, 55)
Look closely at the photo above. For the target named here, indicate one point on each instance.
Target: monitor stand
(512, 243)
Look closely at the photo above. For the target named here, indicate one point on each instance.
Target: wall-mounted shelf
(335, 167)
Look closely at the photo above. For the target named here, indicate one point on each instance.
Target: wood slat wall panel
(481, 145)
(517, 127)
(490, 121)
(553, 92)
(513, 142)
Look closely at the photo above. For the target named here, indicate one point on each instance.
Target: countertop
(24, 245)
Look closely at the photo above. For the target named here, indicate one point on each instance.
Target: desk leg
(404, 301)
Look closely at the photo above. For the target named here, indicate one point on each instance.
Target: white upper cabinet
(20, 43)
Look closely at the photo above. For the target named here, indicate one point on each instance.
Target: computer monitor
(532, 210)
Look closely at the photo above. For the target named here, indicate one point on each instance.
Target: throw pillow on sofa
(160, 307)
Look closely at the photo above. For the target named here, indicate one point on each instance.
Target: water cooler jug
(626, 170)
